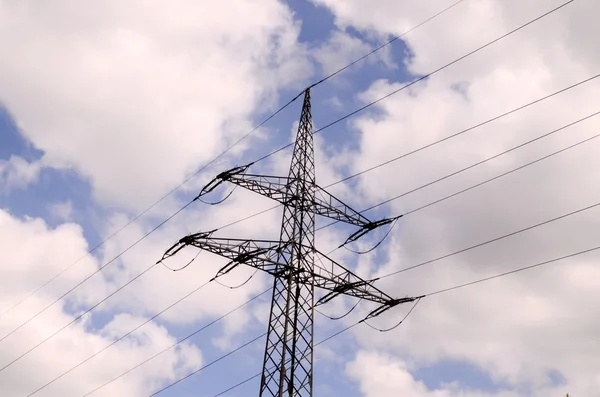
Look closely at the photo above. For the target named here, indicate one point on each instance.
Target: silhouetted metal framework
(296, 266)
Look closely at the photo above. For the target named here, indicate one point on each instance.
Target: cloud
(135, 97)
(18, 173)
(33, 253)
(522, 328)
(383, 375)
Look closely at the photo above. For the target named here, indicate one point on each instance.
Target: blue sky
(435, 365)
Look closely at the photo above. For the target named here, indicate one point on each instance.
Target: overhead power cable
(236, 350)
(393, 39)
(372, 103)
(209, 364)
(464, 131)
(79, 317)
(503, 174)
(409, 212)
(495, 118)
(138, 216)
(539, 264)
(421, 78)
(237, 142)
(502, 237)
(227, 150)
(510, 234)
(399, 323)
(94, 273)
(482, 162)
(529, 227)
(441, 291)
(493, 240)
(518, 270)
(190, 177)
(120, 338)
(179, 341)
(348, 116)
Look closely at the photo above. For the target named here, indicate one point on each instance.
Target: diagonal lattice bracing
(288, 357)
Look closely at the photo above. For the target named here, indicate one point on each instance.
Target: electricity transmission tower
(296, 266)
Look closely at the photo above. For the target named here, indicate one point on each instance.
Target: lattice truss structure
(296, 265)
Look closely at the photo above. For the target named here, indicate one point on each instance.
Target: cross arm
(265, 255)
(338, 280)
(260, 254)
(281, 189)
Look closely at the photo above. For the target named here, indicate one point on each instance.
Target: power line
(502, 237)
(503, 174)
(466, 130)
(393, 39)
(94, 273)
(421, 78)
(121, 337)
(179, 341)
(521, 269)
(77, 318)
(449, 65)
(495, 118)
(462, 285)
(134, 219)
(481, 162)
(209, 364)
(514, 232)
(491, 179)
(236, 350)
(539, 264)
(429, 295)
(165, 222)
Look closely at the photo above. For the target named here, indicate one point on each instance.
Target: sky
(110, 113)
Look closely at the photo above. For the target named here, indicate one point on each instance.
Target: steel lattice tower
(291, 328)
(288, 358)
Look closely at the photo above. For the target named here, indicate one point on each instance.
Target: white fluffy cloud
(33, 253)
(521, 328)
(380, 375)
(133, 95)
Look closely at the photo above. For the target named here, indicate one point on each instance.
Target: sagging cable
(237, 286)
(181, 268)
(368, 228)
(397, 325)
(184, 242)
(390, 304)
(222, 177)
(217, 202)
(342, 316)
(376, 245)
